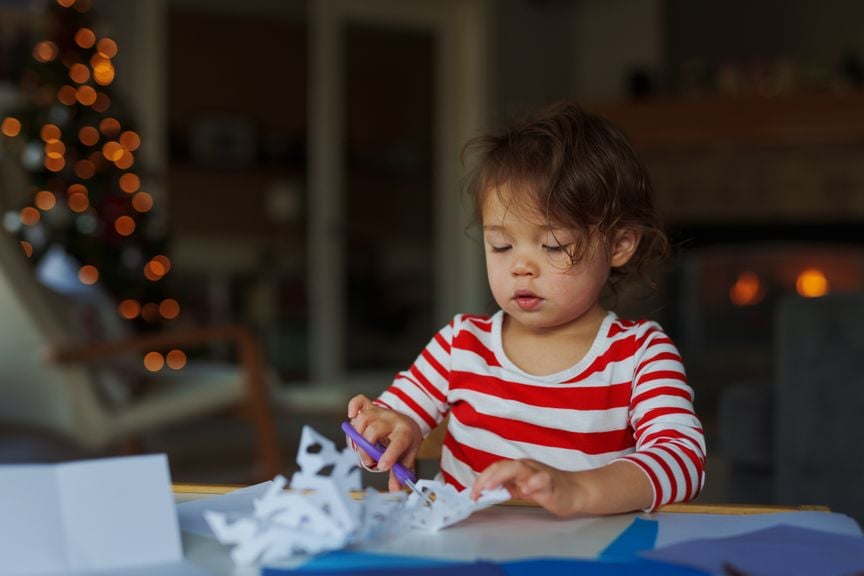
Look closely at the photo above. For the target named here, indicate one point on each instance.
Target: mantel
(805, 119)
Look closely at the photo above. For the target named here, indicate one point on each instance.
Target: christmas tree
(77, 146)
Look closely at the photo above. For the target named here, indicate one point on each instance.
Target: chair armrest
(250, 356)
(191, 337)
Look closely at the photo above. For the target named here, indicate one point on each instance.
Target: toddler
(553, 396)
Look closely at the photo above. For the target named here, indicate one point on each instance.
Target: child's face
(530, 272)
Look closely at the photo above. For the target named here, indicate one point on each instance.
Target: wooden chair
(49, 378)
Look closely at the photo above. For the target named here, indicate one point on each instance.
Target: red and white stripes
(628, 398)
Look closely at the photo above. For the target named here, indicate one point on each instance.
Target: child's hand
(398, 432)
(553, 489)
(611, 489)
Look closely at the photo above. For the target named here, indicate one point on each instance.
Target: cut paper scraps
(318, 513)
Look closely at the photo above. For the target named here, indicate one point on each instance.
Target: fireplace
(725, 282)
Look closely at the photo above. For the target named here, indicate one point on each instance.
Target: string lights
(80, 153)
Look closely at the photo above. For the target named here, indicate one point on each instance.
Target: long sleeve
(670, 442)
(421, 391)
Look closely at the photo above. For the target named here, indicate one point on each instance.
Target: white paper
(234, 505)
(83, 517)
(319, 513)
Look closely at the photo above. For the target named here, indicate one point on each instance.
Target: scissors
(404, 475)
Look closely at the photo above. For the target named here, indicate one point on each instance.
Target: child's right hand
(398, 432)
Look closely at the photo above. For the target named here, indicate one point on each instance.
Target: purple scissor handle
(404, 475)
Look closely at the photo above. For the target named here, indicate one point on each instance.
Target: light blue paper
(674, 527)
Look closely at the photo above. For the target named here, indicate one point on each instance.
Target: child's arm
(615, 488)
(401, 434)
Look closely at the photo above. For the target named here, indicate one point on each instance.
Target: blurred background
(296, 172)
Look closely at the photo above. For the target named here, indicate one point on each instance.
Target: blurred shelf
(806, 119)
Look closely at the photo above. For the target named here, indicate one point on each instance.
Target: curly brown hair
(578, 171)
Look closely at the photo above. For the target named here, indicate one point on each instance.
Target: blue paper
(342, 559)
(572, 566)
(779, 550)
(677, 527)
(349, 563)
(638, 537)
(352, 563)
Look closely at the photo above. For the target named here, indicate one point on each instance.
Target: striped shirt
(627, 399)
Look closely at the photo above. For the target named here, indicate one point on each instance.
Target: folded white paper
(92, 515)
(319, 513)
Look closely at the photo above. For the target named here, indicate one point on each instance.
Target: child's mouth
(527, 300)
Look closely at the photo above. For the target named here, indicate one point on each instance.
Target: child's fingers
(501, 472)
(357, 404)
(393, 483)
(368, 461)
(396, 450)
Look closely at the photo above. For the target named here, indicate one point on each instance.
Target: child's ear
(623, 246)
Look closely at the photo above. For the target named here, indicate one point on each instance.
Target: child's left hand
(553, 489)
(619, 486)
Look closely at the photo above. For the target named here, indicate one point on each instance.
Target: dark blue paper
(780, 550)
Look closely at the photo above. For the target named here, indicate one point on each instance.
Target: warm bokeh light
(164, 261)
(124, 225)
(27, 247)
(78, 202)
(54, 164)
(142, 202)
(130, 140)
(110, 127)
(85, 38)
(29, 216)
(107, 48)
(129, 309)
(10, 127)
(103, 72)
(97, 159)
(812, 283)
(67, 95)
(747, 289)
(88, 135)
(150, 312)
(85, 169)
(55, 149)
(154, 271)
(88, 274)
(125, 161)
(176, 359)
(45, 51)
(45, 200)
(169, 308)
(79, 73)
(49, 132)
(77, 189)
(112, 150)
(130, 182)
(86, 95)
(65, 3)
(154, 361)
(103, 102)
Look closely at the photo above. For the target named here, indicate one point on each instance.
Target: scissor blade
(425, 495)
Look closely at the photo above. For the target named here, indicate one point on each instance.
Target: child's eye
(501, 248)
(557, 247)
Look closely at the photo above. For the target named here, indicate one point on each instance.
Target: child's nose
(523, 266)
